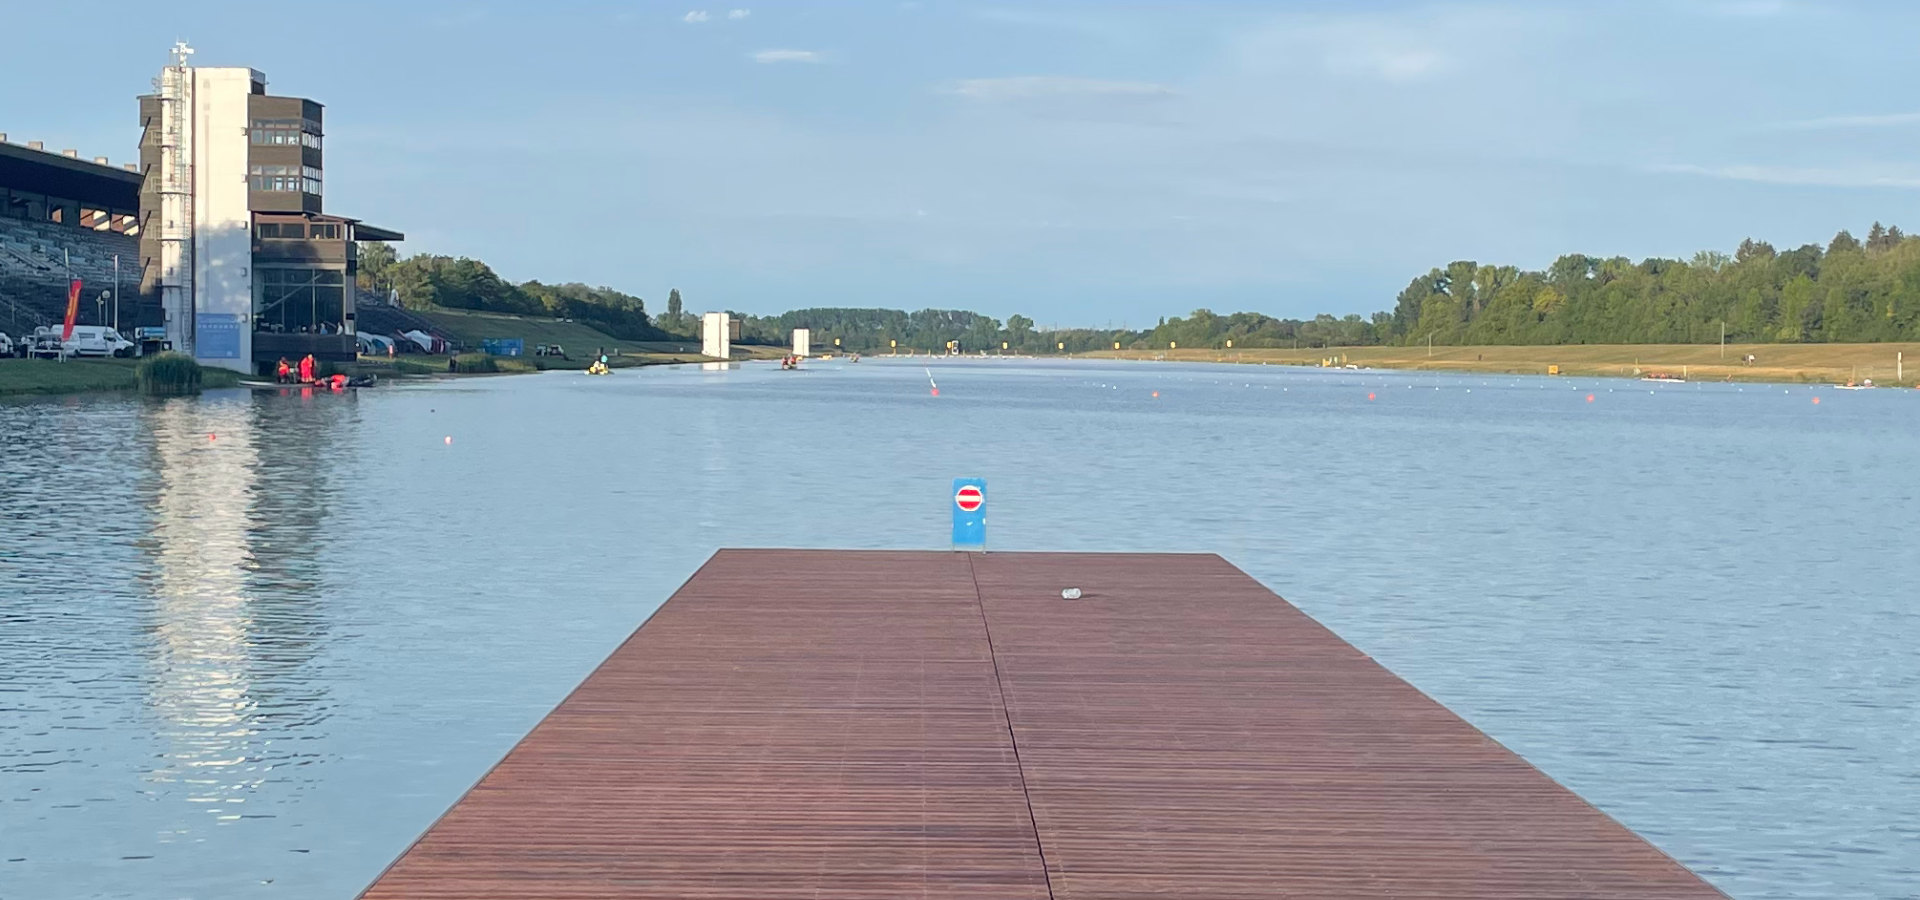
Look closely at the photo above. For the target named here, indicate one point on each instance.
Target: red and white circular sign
(968, 498)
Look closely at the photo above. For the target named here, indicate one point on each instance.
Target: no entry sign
(970, 513)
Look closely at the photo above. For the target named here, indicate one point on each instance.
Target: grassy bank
(1810, 363)
(581, 341)
(478, 363)
(43, 376)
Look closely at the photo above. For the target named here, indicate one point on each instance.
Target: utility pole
(1429, 345)
(116, 293)
(1723, 340)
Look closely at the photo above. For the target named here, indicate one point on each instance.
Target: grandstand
(63, 217)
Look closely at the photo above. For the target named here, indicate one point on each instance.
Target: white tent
(427, 343)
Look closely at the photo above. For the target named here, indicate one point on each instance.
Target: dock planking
(870, 724)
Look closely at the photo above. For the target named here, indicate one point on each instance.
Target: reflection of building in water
(234, 583)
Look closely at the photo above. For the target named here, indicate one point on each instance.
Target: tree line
(1847, 291)
(425, 281)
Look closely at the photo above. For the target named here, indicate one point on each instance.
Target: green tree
(1019, 331)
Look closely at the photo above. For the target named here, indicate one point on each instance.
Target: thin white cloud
(1097, 26)
(695, 16)
(1027, 87)
(738, 14)
(1365, 47)
(1752, 9)
(1886, 120)
(1855, 177)
(789, 56)
(1407, 64)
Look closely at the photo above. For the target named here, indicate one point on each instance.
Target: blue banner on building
(216, 336)
(970, 513)
(503, 346)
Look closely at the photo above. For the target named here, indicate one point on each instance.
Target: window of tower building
(274, 178)
(285, 178)
(286, 133)
(299, 301)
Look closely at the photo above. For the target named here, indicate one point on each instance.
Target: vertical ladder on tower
(175, 187)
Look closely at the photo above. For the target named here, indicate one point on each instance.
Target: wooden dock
(841, 725)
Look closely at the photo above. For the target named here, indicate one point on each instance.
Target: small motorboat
(599, 368)
(1864, 384)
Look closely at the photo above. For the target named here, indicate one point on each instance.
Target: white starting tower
(716, 335)
(174, 183)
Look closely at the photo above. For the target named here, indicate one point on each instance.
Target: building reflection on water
(240, 494)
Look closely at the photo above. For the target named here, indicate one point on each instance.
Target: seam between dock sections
(1013, 740)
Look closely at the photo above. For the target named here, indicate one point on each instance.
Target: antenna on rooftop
(180, 53)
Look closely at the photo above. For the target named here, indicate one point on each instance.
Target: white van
(6, 345)
(87, 340)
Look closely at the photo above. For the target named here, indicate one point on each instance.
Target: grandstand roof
(361, 230)
(44, 172)
(366, 232)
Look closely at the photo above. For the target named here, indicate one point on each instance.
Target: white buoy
(1070, 594)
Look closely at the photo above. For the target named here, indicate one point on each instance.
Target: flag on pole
(73, 309)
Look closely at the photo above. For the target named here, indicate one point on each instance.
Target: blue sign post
(969, 513)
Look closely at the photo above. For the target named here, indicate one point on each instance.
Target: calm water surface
(252, 644)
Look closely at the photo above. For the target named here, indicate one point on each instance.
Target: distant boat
(1865, 384)
(1671, 379)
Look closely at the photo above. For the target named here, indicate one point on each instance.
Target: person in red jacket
(306, 369)
(283, 372)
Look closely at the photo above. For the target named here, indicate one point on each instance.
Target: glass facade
(285, 178)
(286, 133)
(299, 301)
(319, 231)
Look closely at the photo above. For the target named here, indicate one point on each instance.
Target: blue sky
(1081, 163)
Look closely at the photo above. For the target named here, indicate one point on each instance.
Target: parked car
(6, 345)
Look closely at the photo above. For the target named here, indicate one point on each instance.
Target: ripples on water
(251, 644)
